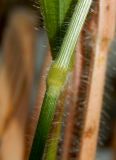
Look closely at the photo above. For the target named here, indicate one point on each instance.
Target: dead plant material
(103, 39)
(81, 133)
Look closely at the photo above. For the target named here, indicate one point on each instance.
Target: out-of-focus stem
(18, 48)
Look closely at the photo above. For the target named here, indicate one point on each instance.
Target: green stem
(56, 79)
(43, 126)
(50, 152)
(72, 35)
(57, 12)
(54, 86)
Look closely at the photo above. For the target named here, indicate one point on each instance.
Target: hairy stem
(57, 78)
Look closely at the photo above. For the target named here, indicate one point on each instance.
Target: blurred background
(23, 54)
(23, 48)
